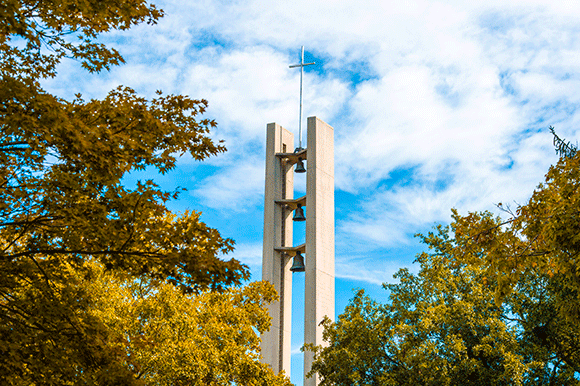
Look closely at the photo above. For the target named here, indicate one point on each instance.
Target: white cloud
(296, 350)
(250, 87)
(454, 97)
(370, 270)
(237, 188)
(250, 254)
(448, 112)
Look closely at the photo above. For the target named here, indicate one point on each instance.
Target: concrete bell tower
(318, 250)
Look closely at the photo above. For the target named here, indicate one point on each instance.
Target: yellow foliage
(169, 338)
(64, 211)
(445, 326)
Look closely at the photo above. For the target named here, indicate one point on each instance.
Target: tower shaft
(278, 233)
(319, 275)
(319, 246)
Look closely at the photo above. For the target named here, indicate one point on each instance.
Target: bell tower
(316, 256)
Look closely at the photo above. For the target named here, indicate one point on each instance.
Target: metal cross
(301, 65)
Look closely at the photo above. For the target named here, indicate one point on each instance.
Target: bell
(300, 166)
(299, 214)
(298, 263)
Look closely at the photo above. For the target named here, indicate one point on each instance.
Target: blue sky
(435, 105)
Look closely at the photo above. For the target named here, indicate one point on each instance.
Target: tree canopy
(51, 30)
(62, 162)
(207, 339)
(495, 302)
(75, 242)
(145, 333)
(540, 238)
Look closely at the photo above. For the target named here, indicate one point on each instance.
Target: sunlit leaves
(170, 339)
(64, 209)
(445, 326)
(63, 195)
(98, 327)
(541, 238)
(51, 30)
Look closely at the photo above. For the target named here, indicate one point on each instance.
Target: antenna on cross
(301, 65)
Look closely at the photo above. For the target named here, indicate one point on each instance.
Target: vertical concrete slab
(319, 259)
(278, 233)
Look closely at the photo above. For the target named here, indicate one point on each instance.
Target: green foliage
(136, 332)
(541, 238)
(443, 327)
(50, 30)
(62, 194)
(495, 302)
(77, 246)
(206, 339)
(563, 148)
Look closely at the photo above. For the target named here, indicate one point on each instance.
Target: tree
(166, 338)
(62, 162)
(495, 301)
(444, 327)
(148, 333)
(541, 238)
(205, 339)
(64, 211)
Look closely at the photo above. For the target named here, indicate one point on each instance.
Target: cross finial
(301, 65)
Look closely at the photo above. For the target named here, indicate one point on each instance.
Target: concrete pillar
(319, 259)
(318, 248)
(278, 233)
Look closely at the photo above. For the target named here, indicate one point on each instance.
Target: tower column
(319, 279)
(278, 233)
(318, 247)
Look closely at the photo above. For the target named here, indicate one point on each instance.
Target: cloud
(434, 104)
(236, 188)
(372, 269)
(296, 350)
(250, 254)
(456, 97)
(252, 86)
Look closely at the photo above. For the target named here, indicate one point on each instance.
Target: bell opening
(299, 214)
(298, 263)
(300, 166)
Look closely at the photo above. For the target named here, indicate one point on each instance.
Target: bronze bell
(299, 214)
(298, 263)
(300, 166)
